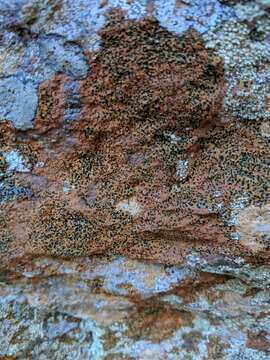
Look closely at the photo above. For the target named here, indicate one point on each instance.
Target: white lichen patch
(217, 193)
(265, 129)
(179, 16)
(237, 205)
(174, 139)
(253, 225)
(130, 206)
(247, 72)
(15, 162)
(18, 102)
(175, 189)
(182, 169)
(66, 188)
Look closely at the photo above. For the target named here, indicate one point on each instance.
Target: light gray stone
(18, 102)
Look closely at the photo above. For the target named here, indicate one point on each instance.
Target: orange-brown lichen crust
(5, 234)
(149, 79)
(51, 104)
(147, 170)
(59, 231)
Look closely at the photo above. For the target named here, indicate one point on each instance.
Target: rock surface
(134, 131)
(114, 308)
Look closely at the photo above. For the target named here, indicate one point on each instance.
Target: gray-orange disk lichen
(148, 169)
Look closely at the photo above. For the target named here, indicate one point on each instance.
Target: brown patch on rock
(51, 104)
(5, 235)
(156, 322)
(147, 171)
(147, 80)
(258, 342)
(216, 348)
(7, 135)
(60, 232)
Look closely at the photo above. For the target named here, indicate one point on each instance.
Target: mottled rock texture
(134, 131)
(148, 169)
(114, 308)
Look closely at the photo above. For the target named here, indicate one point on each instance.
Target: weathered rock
(115, 308)
(137, 148)
(147, 169)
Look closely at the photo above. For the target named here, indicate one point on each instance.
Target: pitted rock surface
(148, 169)
(134, 179)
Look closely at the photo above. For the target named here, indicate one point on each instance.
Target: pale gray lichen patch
(77, 21)
(238, 204)
(47, 54)
(64, 56)
(265, 129)
(44, 334)
(15, 162)
(182, 169)
(144, 279)
(11, 52)
(120, 275)
(130, 206)
(179, 16)
(256, 277)
(18, 102)
(256, 14)
(247, 70)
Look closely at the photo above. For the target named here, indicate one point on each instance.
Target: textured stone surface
(18, 102)
(116, 308)
(132, 131)
(148, 168)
